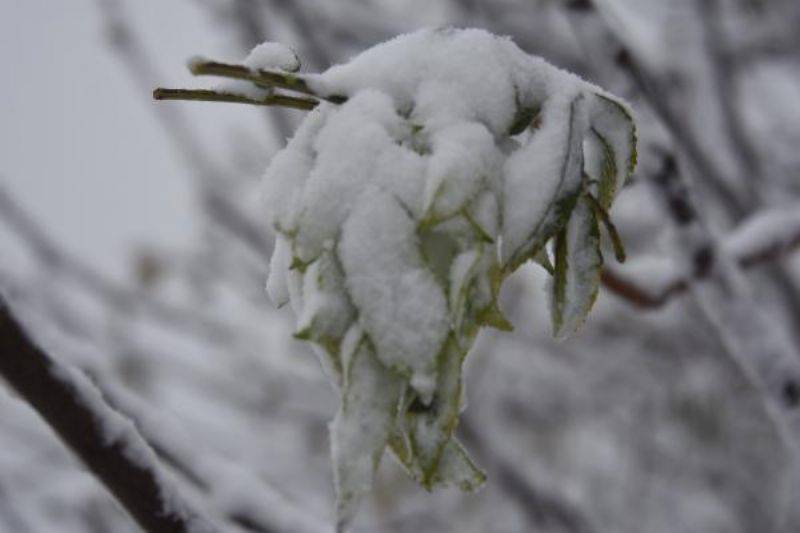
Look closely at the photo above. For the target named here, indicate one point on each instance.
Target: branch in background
(117, 297)
(763, 238)
(107, 443)
(682, 134)
(757, 345)
(726, 86)
(246, 500)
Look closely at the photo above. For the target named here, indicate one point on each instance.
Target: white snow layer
(453, 158)
(269, 55)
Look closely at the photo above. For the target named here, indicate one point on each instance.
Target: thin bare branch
(207, 95)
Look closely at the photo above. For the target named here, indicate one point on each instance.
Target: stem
(261, 77)
(602, 214)
(207, 95)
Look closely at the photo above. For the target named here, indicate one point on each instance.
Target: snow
(269, 55)
(241, 88)
(119, 431)
(401, 306)
(277, 286)
(401, 210)
(778, 227)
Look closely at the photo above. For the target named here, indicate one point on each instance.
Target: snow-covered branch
(234, 490)
(104, 440)
(757, 345)
(652, 282)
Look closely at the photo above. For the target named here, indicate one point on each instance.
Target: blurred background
(131, 239)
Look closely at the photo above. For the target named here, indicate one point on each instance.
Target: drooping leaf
(361, 429)
(326, 311)
(569, 162)
(612, 124)
(577, 270)
(455, 468)
(432, 427)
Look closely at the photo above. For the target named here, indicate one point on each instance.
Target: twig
(754, 343)
(106, 442)
(207, 95)
(637, 295)
(640, 295)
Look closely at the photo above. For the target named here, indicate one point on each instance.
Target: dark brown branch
(81, 421)
(633, 293)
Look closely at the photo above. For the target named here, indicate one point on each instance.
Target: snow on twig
(106, 442)
(650, 282)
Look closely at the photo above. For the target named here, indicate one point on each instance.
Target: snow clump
(435, 165)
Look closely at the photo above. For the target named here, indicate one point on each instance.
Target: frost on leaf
(433, 166)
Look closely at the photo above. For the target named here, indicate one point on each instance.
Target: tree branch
(761, 239)
(756, 344)
(106, 442)
(682, 134)
(207, 95)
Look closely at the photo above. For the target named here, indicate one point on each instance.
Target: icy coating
(453, 158)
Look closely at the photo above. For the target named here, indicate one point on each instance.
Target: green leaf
(612, 124)
(570, 182)
(455, 468)
(577, 270)
(431, 427)
(359, 433)
(326, 311)
(493, 317)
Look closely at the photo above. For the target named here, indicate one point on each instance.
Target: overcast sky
(79, 143)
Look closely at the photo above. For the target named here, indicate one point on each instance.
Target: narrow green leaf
(611, 121)
(431, 427)
(361, 429)
(578, 267)
(570, 182)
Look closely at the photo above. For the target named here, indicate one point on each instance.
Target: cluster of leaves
(393, 271)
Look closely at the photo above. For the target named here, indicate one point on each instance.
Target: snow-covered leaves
(434, 166)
